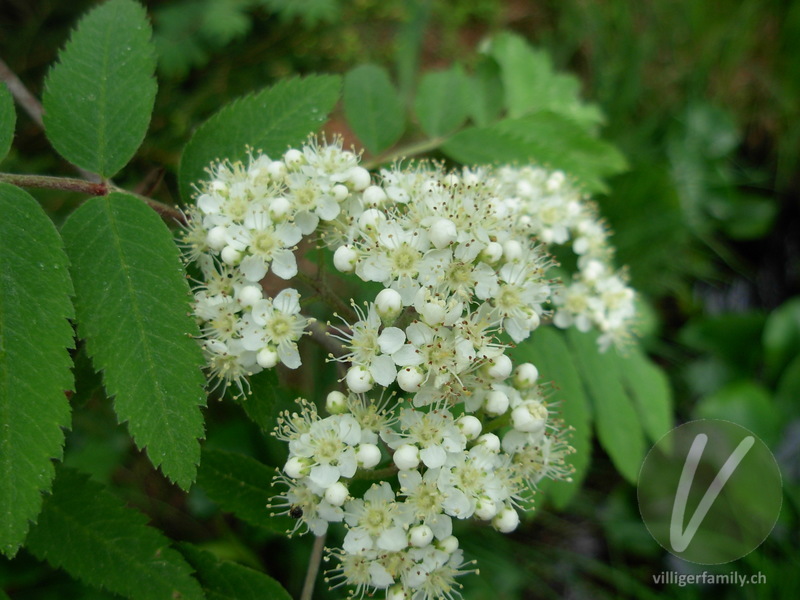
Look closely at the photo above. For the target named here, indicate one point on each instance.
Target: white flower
(329, 446)
(279, 324)
(434, 432)
(375, 522)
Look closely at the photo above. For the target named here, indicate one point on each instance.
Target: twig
(48, 182)
(313, 567)
(319, 333)
(405, 152)
(21, 94)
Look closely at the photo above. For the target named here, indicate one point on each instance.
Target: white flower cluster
(553, 210)
(461, 263)
(447, 468)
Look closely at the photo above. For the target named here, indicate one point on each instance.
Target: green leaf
(35, 332)
(441, 104)
(260, 403)
(240, 485)
(745, 403)
(781, 337)
(532, 85)
(231, 581)
(545, 138)
(373, 107)
(99, 97)
(8, 118)
(271, 120)
(549, 352)
(94, 537)
(485, 96)
(649, 388)
(618, 427)
(133, 310)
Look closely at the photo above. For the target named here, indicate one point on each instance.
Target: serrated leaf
(531, 84)
(35, 333)
(649, 388)
(99, 97)
(89, 533)
(441, 104)
(618, 428)
(545, 138)
(8, 118)
(549, 352)
(241, 485)
(373, 107)
(231, 581)
(271, 120)
(485, 97)
(132, 302)
(260, 403)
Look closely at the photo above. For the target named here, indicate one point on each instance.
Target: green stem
(405, 152)
(313, 567)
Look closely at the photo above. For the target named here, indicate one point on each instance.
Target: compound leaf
(99, 97)
(373, 108)
(231, 581)
(132, 302)
(8, 118)
(89, 533)
(240, 485)
(35, 333)
(270, 120)
(441, 104)
(649, 387)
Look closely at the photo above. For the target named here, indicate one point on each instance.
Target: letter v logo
(678, 537)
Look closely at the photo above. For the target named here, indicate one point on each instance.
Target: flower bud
(490, 441)
(344, 259)
(506, 520)
(340, 192)
(442, 232)
(249, 295)
(448, 544)
(374, 196)
(371, 218)
(529, 417)
(359, 177)
(500, 367)
(267, 357)
(279, 208)
(277, 169)
(216, 238)
(470, 426)
(359, 379)
(525, 375)
(496, 403)
(406, 457)
(337, 493)
(409, 379)
(512, 250)
(389, 305)
(336, 403)
(420, 536)
(485, 509)
(296, 467)
(368, 455)
(230, 255)
(292, 157)
(397, 592)
(492, 253)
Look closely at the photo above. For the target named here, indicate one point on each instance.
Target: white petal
(393, 539)
(324, 475)
(407, 356)
(327, 208)
(288, 233)
(287, 301)
(383, 370)
(284, 264)
(357, 541)
(391, 340)
(433, 457)
(254, 268)
(289, 355)
(306, 221)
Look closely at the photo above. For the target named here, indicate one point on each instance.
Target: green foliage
(270, 121)
(132, 303)
(441, 104)
(35, 375)
(259, 404)
(618, 427)
(781, 336)
(544, 138)
(548, 350)
(485, 96)
(745, 403)
(8, 118)
(373, 107)
(230, 581)
(649, 388)
(531, 85)
(240, 485)
(91, 534)
(99, 97)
